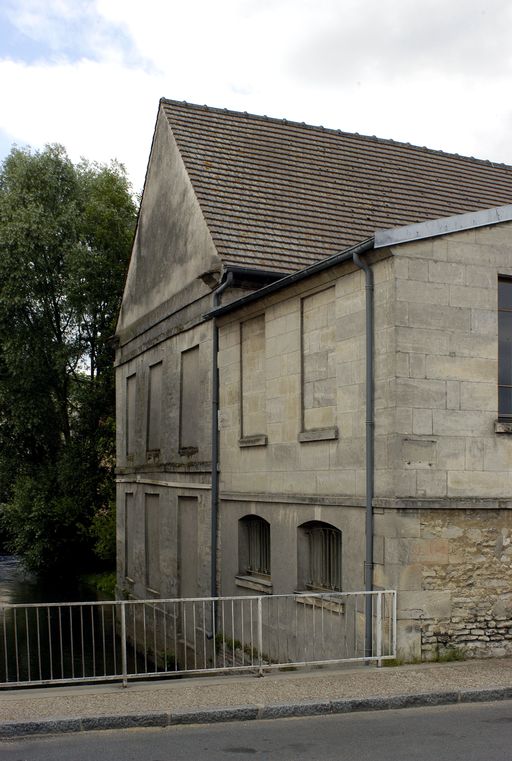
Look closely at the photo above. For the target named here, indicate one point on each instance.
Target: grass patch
(444, 655)
(104, 583)
(393, 662)
(450, 654)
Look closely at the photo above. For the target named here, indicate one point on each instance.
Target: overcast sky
(89, 73)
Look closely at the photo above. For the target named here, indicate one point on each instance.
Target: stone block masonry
(476, 575)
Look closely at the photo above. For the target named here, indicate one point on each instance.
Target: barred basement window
(319, 559)
(505, 348)
(254, 546)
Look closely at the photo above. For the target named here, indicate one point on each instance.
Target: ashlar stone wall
(312, 385)
(446, 338)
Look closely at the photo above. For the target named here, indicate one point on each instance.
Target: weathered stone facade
(442, 472)
(454, 570)
(292, 405)
(476, 571)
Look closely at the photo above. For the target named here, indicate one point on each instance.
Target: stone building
(301, 262)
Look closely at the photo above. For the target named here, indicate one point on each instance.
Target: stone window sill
(259, 440)
(503, 426)
(255, 583)
(188, 451)
(325, 602)
(319, 434)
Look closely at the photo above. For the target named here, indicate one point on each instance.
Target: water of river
(54, 643)
(20, 586)
(40, 644)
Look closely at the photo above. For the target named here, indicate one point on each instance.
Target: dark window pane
(505, 348)
(505, 293)
(505, 402)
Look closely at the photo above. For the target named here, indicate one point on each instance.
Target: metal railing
(129, 639)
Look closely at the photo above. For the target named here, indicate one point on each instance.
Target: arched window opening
(254, 546)
(319, 560)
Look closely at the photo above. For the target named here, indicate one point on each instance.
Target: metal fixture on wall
(215, 435)
(370, 445)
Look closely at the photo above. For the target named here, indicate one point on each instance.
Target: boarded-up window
(129, 535)
(187, 546)
(190, 399)
(319, 361)
(253, 412)
(154, 407)
(130, 414)
(152, 541)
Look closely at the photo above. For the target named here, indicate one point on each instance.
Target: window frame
(254, 549)
(130, 430)
(185, 448)
(322, 568)
(129, 535)
(153, 452)
(255, 438)
(152, 563)
(503, 309)
(307, 434)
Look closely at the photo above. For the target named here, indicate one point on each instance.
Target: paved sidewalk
(228, 698)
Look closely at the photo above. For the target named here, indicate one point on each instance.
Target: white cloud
(435, 74)
(68, 30)
(397, 38)
(87, 106)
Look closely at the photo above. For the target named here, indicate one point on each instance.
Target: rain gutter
(370, 448)
(215, 436)
(233, 274)
(295, 277)
(351, 254)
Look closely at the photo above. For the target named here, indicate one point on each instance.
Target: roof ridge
(333, 131)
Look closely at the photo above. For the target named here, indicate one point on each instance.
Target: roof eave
(295, 277)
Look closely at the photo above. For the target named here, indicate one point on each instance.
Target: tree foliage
(65, 236)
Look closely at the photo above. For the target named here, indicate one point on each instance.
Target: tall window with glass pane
(505, 348)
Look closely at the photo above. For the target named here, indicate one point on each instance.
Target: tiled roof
(281, 195)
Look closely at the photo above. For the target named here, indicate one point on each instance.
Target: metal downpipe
(215, 437)
(370, 443)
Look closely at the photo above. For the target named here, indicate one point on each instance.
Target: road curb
(12, 729)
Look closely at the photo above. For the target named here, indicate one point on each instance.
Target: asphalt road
(478, 732)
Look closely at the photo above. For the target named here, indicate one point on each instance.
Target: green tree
(65, 236)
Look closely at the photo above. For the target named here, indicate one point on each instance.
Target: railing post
(124, 661)
(379, 629)
(260, 637)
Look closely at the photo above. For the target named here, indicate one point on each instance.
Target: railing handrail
(111, 640)
(153, 600)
